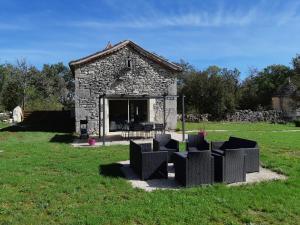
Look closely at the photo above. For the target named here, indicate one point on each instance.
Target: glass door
(138, 111)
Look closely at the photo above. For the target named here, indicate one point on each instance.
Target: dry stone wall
(272, 116)
(256, 116)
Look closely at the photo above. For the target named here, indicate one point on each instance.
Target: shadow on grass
(45, 121)
(62, 138)
(111, 170)
(44, 127)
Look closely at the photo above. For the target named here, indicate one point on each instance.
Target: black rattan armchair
(249, 147)
(196, 143)
(146, 163)
(229, 165)
(163, 142)
(194, 168)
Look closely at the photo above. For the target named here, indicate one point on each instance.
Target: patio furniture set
(201, 163)
(142, 129)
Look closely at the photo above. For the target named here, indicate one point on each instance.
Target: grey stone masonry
(111, 75)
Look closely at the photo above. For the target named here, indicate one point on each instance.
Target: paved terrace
(117, 139)
(171, 184)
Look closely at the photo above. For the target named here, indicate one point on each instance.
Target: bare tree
(25, 78)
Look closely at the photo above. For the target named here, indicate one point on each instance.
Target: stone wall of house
(110, 75)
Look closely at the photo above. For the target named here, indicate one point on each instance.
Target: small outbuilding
(285, 100)
(128, 84)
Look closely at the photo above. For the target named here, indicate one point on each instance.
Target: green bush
(297, 123)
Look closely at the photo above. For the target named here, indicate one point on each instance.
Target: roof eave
(118, 46)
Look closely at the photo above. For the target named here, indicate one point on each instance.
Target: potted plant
(92, 141)
(202, 133)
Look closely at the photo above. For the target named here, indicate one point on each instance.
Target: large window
(124, 111)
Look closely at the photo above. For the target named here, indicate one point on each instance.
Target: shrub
(297, 123)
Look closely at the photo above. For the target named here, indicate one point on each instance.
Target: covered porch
(120, 109)
(121, 115)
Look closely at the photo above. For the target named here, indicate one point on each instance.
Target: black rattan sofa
(249, 147)
(194, 168)
(146, 163)
(196, 143)
(163, 142)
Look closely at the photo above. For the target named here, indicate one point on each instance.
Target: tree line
(218, 91)
(50, 88)
(214, 90)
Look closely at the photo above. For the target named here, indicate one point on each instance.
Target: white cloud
(265, 12)
(289, 13)
(193, 19)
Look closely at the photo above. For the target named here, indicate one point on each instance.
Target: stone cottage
(133, 84)
(284, 100)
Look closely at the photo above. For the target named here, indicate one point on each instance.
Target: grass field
(2, 125)
(46, 181)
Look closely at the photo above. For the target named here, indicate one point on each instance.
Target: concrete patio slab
(118, 139)
(172, 184)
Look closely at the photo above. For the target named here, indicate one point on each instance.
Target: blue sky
(228, 33)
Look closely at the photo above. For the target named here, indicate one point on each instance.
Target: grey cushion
(193, 149)
(181, 154)
(163, 148)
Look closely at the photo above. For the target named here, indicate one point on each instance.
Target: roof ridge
(98, 52)
(120, 45)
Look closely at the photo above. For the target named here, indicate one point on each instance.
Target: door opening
(123, 111)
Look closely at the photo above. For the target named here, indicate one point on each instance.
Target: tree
(231, 84)
(257, 90)
(248, 92)
(187, 71)
(296, 64)
(22, 76)
(5, 100)
(12, 91)
(296, 68)
(54, 87)
(213, 91)
(68, 96)
(48, 89)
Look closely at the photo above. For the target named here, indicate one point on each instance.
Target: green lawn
(2, 125)
(46, 181)
(238, 126)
